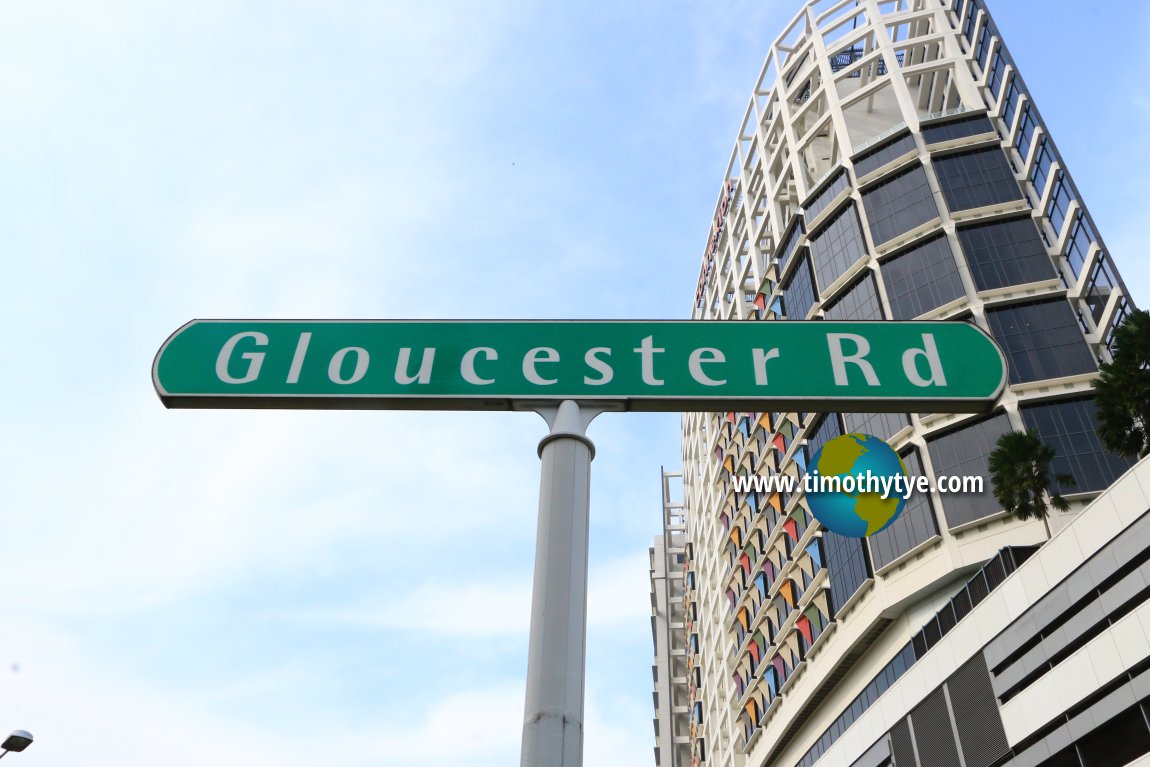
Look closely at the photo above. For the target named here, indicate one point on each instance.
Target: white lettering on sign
(929, 351)
(467, 366)
(839, 358)
(855, 362)
(533, 358)
(600, 366)
(298, 357)
(698, 358)
(761, 358)
(255, 359)
(647, 352)
(402, 366)
(335, 367)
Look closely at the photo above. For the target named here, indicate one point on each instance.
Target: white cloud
(81, 712)
(485, 604)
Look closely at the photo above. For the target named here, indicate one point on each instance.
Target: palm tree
(1122, 391)
(1020, 476)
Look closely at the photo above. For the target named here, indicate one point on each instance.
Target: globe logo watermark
(857, 485)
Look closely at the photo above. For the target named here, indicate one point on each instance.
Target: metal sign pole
(553, 715)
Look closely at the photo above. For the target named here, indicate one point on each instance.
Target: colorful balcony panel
(789, 591)
(772, 680)
(759, 645)
(816, 620)
(782, 668)
(791, 528)
(736, 535)
(761, 583)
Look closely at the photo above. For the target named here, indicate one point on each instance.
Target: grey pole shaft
(553, 716)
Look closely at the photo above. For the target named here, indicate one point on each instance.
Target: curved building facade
(890, 165)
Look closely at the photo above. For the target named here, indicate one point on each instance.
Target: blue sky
(290, 587)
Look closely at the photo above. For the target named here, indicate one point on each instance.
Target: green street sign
(640, 365)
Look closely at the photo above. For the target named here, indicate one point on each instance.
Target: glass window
(799, 291)
(1117, 742)
(899, 204)
(1078, 244)
(1100, 286)
(997, 70)
(948, 131)
(827, 429)
(969, 21)
(1059, 203)
(966, 452)
(790, 242)
(847, 566)
(1071, 428)
(1041, 169)
(914, 526)
(982, 47)
(1003, 253)
(832, 190)
(1011, 105)
(858, 302)
(977, 178)
(881, 425)
(1025, 131)
(921, 279)
(837, 246)
(1121, 314)
(1041, 340)
(884, 153)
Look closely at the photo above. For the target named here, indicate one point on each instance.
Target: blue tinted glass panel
(921, 279)
(799, 291)
(965, 452)
(899, 204)
(997, 70)
(1041, 169)
(977, 178)
(884, 153)
(1071, 428)
(1025, 131)
(832, 190)
(858, 302)
(1078, 244)
(881, 425)
(969, 21)
(1041, 340)
(791, 241)
(1003, 253)
(827, 429)
(1011, 105)
(982, 47)
(837, 246)
(1059, 203)
(914, 526)
(1099, 287)
(1121, 314)
(847, 566)
(970, 126)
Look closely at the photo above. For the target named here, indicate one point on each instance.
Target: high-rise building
(669, 619)
(891, 165)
